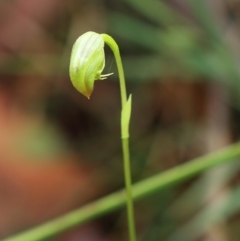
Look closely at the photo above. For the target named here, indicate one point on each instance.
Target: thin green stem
(114, 47)
(125, 143)
(128, 183)
(116, 200)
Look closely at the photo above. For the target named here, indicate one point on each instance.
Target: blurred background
(59, 151)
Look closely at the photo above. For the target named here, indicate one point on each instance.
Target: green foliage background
(181, 60)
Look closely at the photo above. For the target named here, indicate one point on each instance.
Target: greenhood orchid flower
(87, 62)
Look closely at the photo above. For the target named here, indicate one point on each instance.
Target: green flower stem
(125, 136)
(116, 200)
(127, 171)
(114, 47)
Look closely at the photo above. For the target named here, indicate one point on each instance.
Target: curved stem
(125, 137)
(114, 47)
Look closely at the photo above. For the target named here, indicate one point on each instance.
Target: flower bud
(87, 62)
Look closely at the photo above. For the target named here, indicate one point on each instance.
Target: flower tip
(87, 94)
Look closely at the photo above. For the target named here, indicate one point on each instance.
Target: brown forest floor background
(59, 150)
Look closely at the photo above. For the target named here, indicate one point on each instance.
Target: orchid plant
(86, 66)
